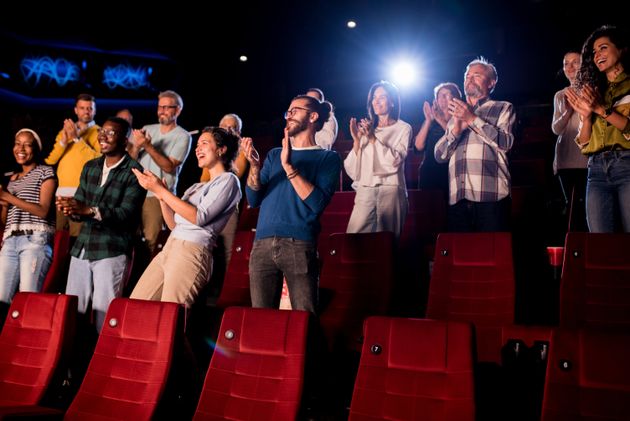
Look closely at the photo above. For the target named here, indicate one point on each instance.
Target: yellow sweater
(72, 157)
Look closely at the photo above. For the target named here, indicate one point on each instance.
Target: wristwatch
(607, 113)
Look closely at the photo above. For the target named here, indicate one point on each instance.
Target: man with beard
(477, 140)
(292, 189)
(161, 148)
(108, 201)
(76, 144)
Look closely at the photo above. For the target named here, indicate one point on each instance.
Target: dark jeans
(467, 216)
(273, 257)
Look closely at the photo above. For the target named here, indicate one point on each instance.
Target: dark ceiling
(295, 45)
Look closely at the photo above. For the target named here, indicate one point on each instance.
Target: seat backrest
(36, 335)
(235, 290)
(57, 275)
(248, 217)
(356, 281)
(588, 376)
(425, 219)
(473, 281)
(413, 369)
(335, 218)
(257, 369)
(131, 362)
(594, 287)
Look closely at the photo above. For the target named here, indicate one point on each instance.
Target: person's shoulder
(496, 103)
(180, 131)
(132, 163)
(403, 124)
(95, 162)
(45, 169)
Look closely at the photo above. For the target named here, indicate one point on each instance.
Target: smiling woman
(376, 163)
(28, 222)
(180, 271)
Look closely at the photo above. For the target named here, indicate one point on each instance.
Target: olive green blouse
(605, 136)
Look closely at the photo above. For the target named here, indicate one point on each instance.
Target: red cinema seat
(235, 290)
(257, 369)
(335, 218)
(356, 282)
(413, 369)
(57, 275)
(473, 281)
(37, 334)
(425, 219)
(248, 218)
(595, 284)
(588, 376)
(131, 362)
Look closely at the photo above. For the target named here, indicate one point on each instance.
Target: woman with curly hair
(183, 267)
(602, 98)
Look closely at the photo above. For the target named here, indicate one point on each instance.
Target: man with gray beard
(475, 145)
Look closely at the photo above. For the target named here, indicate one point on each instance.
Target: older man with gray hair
(161, 148)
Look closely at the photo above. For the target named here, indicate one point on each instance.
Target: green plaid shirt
(119, 202)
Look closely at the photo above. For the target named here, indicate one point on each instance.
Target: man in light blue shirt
(162, 149)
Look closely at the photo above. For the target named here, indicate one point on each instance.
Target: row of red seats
(409, 369)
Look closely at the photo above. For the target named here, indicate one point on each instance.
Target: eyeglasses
(289, 113)
(166, 107)
(107, 133)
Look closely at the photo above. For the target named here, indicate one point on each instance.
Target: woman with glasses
(376, 163)
(180, 271)
(28, 216)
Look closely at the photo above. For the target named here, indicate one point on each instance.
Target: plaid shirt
(477, 158)
(119, 202)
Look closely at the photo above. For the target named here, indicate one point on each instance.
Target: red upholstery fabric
(425, 219)
(57, 275)
(337, 214)
(335, 218)
(356, 282)
(248, 218)
(36, 335)
(235, 290)
(131, 362)
(473, 281)
(424, 371)
(588, 376)
(595, 288)
(258, 374)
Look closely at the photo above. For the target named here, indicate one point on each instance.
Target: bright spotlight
(404, 74)
(351, 24)
(243, 58)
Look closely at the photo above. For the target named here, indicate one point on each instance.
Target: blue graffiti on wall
(126, 77)
(60, 71)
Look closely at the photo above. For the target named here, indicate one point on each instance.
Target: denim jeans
(273, 257)
(24, 262)
(99, 281)
(608, 192)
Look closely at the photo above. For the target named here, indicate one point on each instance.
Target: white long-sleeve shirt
(328, 134)
(381, 162)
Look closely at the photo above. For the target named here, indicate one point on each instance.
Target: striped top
(28, 188)
(477, 158)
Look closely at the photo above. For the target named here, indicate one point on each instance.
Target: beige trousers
(177, 274)
(152, 221)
